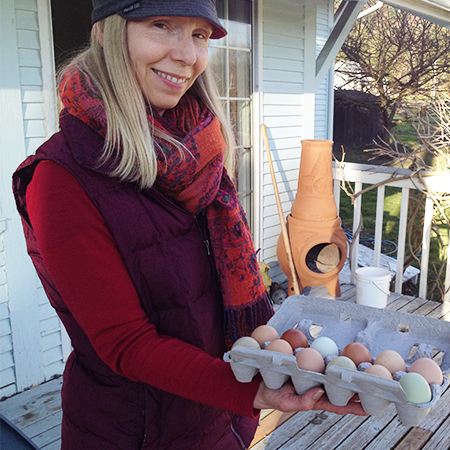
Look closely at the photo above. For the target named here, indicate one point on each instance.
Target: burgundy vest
(163, 249)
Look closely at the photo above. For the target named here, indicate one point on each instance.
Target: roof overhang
(437, 11)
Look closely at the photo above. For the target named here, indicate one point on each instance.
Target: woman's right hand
(287, 400)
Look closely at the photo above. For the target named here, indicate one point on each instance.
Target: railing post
(401, 240)
(425, 247)
(356, 232)
(378, 226)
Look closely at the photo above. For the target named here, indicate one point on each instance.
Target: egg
(391, 360)
(429, 369)
(296, 338)
(310, 359)
(246, 341)
(379, 371)
(264, 333)
(325, 346)
(281, 346)
(341, 361)
(357, 352)
(416, 388)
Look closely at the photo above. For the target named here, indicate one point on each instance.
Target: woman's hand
(287, 400)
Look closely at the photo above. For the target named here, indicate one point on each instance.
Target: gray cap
(129, 9)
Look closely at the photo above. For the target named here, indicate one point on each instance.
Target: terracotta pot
(318, 243)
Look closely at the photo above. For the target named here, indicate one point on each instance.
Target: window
(231, 61)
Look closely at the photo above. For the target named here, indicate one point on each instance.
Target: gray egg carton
(345, 322)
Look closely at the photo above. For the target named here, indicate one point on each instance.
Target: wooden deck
(37, 412)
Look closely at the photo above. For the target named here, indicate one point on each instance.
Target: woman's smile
(171, 78)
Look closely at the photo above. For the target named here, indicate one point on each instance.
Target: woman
(134, 227)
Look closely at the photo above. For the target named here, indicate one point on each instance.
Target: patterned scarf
(198, 182)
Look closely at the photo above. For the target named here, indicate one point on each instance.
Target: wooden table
(37, 412)
(322, 430)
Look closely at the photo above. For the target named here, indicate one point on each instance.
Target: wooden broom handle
(284, 231)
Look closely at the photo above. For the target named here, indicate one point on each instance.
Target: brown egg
(357, 352)
(295, 337)
(265, 333)
(391, 360)
(429, 369)
(280, 345)
(310, 359)
(379, 371)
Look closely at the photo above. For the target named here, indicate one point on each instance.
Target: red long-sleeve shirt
(88, 271)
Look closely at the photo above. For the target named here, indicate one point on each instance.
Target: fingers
(354, 408)
(287, 400)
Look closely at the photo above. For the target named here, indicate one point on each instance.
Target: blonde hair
(130, 137)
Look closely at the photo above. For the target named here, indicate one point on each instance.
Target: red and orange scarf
(198, 182)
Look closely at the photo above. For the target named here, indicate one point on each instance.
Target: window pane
(239, 73)
(244, 181)
(217, 59)
(240, 116)
(239, 20)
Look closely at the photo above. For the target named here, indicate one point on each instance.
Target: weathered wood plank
(286, 431)
(269, 423)
(46, 423)
(414, 440)
(441, 438)
(360, 437)
(30, 399)
(325, 435)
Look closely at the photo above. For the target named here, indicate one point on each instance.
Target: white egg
(325, 346)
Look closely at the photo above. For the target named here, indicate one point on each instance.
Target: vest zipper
(237, 436)
(204, 233)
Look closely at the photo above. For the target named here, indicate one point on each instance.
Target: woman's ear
(97, 29)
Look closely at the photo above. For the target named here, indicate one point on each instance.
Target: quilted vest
(163, 248)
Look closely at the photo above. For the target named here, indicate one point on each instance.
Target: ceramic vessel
(318, 243)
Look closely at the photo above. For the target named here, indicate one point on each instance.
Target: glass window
(230, 59)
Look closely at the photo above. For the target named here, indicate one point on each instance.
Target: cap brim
(180, 11)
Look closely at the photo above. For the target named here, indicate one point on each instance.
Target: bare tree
(397, 56)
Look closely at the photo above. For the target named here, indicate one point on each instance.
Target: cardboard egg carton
(345, 322)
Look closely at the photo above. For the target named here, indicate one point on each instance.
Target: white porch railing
(368, 174)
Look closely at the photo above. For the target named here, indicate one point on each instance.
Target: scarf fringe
(242, 322)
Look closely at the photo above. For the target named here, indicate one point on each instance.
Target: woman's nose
(185, 50)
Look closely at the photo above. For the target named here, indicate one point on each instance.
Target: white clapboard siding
(7, 374)
(283, 108)
(30, 57)
(30, 332)
(322, 103)
(30, 67)
(283, 78)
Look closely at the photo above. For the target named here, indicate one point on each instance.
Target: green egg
(416, 388)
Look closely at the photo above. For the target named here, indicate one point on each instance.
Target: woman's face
(169, 53)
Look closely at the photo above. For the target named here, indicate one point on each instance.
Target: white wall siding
(30, 73)
(7, 374)
(322, 101)
(283, 82)
(34, 119)
(30, 331)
